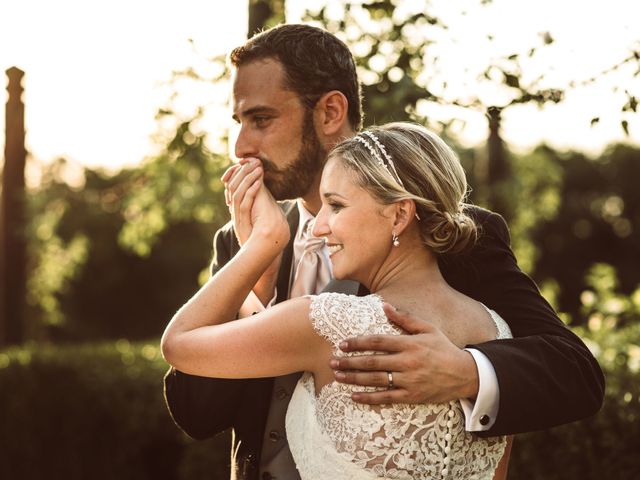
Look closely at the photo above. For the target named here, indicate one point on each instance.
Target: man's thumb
(404, 320)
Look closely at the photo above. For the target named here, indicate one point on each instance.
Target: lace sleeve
(502, 327)
(336, 316)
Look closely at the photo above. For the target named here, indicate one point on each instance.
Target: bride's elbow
(170, 349)
(172, 339)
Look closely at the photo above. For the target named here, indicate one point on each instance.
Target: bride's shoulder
(338, 301)
(337, 316)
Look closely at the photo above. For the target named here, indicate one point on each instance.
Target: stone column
(12, 217)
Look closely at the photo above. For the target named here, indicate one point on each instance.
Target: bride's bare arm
(278, 341)
(199, 341)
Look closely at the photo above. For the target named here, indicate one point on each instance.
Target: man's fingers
(378, 343)
(368, 379)
(370, 363)
(384, 397)
(406, 321)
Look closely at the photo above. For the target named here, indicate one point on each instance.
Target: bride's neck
(410, 269)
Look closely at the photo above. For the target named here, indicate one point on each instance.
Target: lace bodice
(331, 436)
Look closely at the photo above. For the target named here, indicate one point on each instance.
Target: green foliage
(597, 221)
(181, 184)
(534, 192)
(84, 284)
(395, 44)
(95, 411)
(391, 53)
(116, 255)
(604, 446)
(55, 262)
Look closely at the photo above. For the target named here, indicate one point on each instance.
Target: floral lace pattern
(383, 441)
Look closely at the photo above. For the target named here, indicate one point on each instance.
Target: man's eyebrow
(255, 110)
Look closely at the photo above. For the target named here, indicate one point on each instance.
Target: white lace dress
(332, 437)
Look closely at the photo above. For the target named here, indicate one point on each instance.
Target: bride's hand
(254, 212)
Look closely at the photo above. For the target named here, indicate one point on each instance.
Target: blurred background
(116, 132)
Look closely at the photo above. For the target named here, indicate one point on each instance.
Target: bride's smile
(355, 224)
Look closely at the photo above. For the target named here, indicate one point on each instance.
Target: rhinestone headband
(388, 165)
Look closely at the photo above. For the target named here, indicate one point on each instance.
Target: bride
(391, 203)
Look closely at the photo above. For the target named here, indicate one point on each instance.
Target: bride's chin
(338, 274)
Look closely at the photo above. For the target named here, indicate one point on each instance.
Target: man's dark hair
(314, 60)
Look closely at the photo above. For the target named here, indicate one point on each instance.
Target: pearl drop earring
(395, 240)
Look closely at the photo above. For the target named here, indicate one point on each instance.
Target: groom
(295, 95)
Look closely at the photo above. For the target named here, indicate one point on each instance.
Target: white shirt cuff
(252, 304)
(481, 414)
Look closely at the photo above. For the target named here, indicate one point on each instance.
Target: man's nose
(246, 145)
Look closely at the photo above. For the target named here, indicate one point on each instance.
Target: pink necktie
(312, 274)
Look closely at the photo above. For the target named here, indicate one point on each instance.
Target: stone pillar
(13, 253)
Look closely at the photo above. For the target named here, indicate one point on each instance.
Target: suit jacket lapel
(293, 217)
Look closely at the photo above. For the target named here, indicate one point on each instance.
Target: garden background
(95, 262)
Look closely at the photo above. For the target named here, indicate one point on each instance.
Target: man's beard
(295, 180)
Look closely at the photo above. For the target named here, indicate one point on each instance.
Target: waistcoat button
(281, 393)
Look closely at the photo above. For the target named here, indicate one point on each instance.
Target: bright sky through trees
(94, 69)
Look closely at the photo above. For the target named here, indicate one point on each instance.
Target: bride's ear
(405, 212)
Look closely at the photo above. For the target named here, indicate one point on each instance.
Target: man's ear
(405, 212)
(331, 113)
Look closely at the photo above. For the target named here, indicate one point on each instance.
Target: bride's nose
(321, 224)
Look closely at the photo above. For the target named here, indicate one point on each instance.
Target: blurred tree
(84, 283)
(598, 220)
(394, 42)
(401, 74)
(264, 14)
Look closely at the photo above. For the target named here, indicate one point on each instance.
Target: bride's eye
(335, 207)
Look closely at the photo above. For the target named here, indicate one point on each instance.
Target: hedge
(97, 411)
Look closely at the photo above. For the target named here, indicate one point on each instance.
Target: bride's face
(357, 227)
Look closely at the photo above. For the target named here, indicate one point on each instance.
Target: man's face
(276, 128)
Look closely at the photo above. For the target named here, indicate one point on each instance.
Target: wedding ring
(390, 379)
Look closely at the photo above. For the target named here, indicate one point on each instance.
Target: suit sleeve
(546, 374)
(201, 406)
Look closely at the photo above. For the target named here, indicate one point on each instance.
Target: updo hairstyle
(431, 175)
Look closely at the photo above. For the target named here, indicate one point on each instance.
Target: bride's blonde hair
(400, 161)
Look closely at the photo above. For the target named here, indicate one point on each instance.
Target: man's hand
(426, 366)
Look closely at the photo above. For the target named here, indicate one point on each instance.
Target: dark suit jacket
(546, 375)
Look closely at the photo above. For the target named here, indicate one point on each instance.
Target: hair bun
(450, 233)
